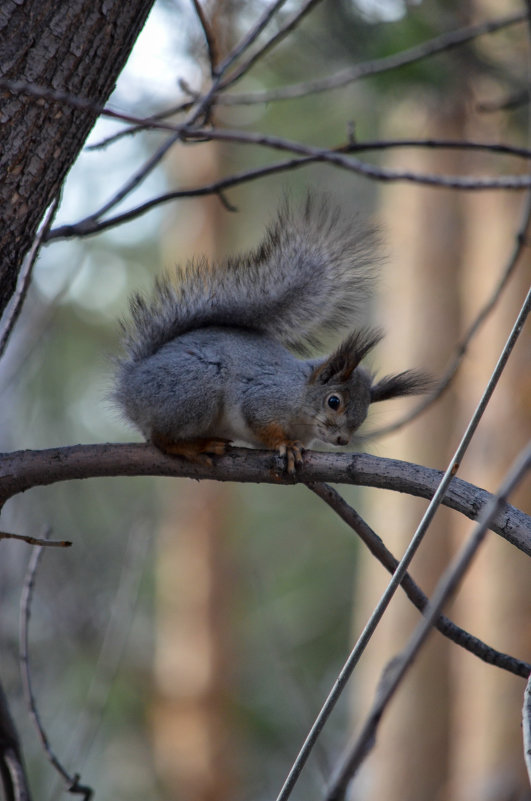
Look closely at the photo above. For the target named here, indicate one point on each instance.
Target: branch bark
(76, 46)
(22, 470)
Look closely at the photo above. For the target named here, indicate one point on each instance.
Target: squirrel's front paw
(292, 451)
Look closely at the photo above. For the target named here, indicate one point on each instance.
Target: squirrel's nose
(342, 440)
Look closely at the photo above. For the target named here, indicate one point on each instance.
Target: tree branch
(415, 594)
(22, 470)
(351, 164)
(396, 670)
(289, 26)
(438, 44)
(208, 33)
(378, 549)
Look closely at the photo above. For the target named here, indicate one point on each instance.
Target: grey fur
(208, 356)
(310, 273)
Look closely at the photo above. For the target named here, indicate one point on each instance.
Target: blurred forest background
(182, 648)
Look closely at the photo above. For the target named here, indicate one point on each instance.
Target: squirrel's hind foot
(197, 450)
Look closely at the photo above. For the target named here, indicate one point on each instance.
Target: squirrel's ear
(341, 364)
(410, 382)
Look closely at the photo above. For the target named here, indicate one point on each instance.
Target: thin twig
(440, 144)
(147, 124)
(201, 111)
(209, 37)
(348, 162)
(5, 535)
(249, 38)
(93, 224)
(137, 178)
(446, 626)
(399, 666)
(71, 782)
(292, 23)
(438, 44)
(25, 274)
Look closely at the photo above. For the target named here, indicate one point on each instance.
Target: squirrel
(215, 355)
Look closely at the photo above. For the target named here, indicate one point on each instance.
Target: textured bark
(22, 470)
(73, 46)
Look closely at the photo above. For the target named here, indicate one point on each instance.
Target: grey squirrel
(209, 357)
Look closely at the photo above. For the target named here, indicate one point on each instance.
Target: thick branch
(21, 470)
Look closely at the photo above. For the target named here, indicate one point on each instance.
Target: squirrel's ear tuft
(341, 364)
(410, 382)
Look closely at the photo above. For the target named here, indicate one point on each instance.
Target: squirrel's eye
(334, 402)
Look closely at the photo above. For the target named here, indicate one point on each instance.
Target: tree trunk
(73, 46)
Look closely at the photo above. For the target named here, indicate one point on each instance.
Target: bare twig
(438, 44)
(137, 178)
(440, 144)
(348, 162)
(420, 600)
(147, 124)
(5, 535)
(93, 224)
(209, 37)
(399, 666)
(378, 548)
(25, 274)
(71, 782)
(288, 26)
(249, 38)
(353, 145)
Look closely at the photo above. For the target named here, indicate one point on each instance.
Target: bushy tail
(307, 278)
